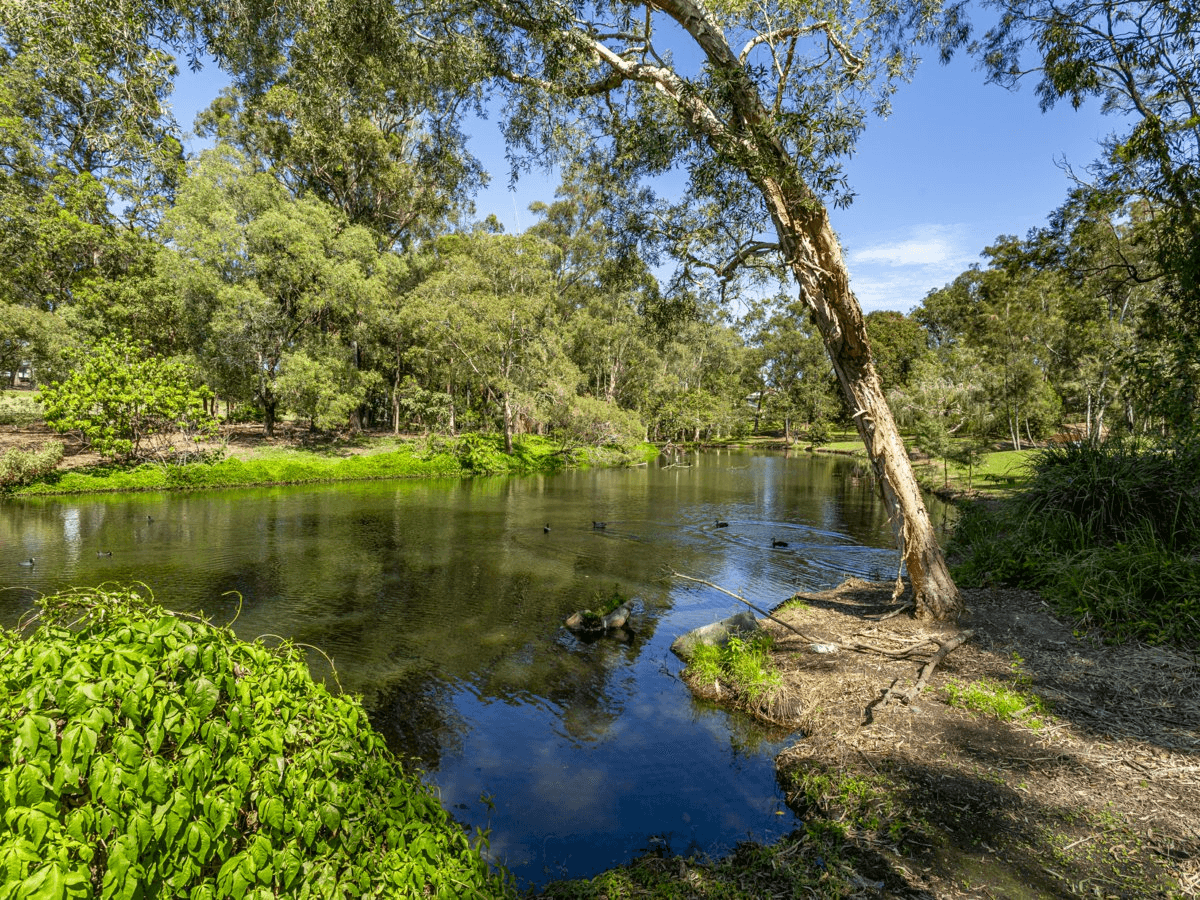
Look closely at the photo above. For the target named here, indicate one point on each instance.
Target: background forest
(320, 260)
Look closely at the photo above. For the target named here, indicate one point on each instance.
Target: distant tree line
(320, 261)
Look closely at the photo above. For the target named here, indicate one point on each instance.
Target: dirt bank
(1091, 787)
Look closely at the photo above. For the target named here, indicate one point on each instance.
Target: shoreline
(280, 462)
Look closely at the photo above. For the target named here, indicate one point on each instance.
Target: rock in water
(619, 616)
(718, 633)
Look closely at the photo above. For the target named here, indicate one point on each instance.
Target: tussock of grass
(1109, 532)
(742, 671)
(852, 802)
(994, 699)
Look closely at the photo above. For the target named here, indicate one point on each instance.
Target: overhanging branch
(854, 64)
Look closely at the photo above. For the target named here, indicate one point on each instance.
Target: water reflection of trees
(418, 589)
(569, 676)
(418, 718)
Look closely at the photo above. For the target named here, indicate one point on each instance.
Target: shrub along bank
(467, 454)
(148, 754)
(1108, 531)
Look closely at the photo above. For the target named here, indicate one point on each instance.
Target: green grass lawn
(1000, 473)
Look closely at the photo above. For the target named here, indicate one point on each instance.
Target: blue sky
(957, 163)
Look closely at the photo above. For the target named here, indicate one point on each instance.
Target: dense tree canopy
(320, 260)
(1139, 59)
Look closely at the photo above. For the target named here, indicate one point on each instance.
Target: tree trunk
(610, 392)
(508, 424)
(396, 404)
(814, 255)
(269, 417)
(742, 132)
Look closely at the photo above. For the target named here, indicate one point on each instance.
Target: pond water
(441, 602)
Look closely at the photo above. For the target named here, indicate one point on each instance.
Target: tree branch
(854, 64)
(812, 641)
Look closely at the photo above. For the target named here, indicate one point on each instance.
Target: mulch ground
(1098, 797)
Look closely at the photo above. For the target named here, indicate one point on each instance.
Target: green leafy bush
(23, 466)
(589, 422)
(19, 408)
(1117, 487)
(323, 388)
(482, 454)
(245, 414)
(125, 402)
(1109, 531)
(152, 755)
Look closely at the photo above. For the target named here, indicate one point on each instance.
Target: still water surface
(441, 602)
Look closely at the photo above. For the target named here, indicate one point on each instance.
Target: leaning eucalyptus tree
(761, 130)
(758, 100)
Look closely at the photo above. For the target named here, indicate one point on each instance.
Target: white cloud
(898, 273)
(928, 245)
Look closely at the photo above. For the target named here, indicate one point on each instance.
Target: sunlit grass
(745, 666)
(466, 455)
(991, 698)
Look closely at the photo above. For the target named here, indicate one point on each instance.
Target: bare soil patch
(1099, 797)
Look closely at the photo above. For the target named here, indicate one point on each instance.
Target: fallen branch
(908, 651)
(815, 645)
(926, 671)
(761, 612)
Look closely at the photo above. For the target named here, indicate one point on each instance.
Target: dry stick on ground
(927, 670)
(857, 647)
(761, 612)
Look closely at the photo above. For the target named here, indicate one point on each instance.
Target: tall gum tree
(774, 116)
(657, 86)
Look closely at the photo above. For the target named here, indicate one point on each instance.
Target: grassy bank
(997, 474)
(365, 459)
(1109, 532)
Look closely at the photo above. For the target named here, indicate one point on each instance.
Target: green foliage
(430, 410)
(265, 279)
(588, 422)
(897, 343)
(154, 755)
(1135, 589)
(245, 414)
(91, 151)
(322, 388)
(18, 467)
(1138, 57)
(20, 408)
(126, 403)
(1108, 531)
(1118, 487)
(481, 454)
(796, 383)
(745, 666)
(417, 459)
(994, 699)
(852, 801)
